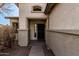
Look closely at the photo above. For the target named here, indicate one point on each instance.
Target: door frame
(29, 20)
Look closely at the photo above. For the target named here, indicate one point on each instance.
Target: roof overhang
(12, 17)
(17, 4)
(49, 7)
(1, 4)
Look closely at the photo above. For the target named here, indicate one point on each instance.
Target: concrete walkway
(36, 49)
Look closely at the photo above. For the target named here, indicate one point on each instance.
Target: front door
(40, 32)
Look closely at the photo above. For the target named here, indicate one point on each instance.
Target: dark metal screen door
(40, 31)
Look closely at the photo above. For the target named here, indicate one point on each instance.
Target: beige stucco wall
(32, 31)
(27, 10)
(63, 44)
(25, 13)
(33, 14)
(23, 37)
(64, 18)
(23, 26)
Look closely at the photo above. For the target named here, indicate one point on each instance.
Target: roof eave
(12, 17)
(49, 8)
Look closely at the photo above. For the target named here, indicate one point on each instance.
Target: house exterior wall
(13, 20)
(64, 16)
(23, 26)
(62, 36)
(26, 13)
(34, 14)
(63, 44)
(16, 21)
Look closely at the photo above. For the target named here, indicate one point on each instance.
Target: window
(36, 8)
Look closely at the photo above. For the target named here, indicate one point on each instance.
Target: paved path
(36, 49)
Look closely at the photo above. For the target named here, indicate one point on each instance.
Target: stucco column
(23, 26)
(23, 32)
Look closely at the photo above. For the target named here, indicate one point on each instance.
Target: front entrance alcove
(36, 29)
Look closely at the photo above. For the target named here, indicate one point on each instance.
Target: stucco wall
(25, 13)
(32, 31)
(23, 26)
(64, 18)
(23, 37)
(26, 10)
(63, 44)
